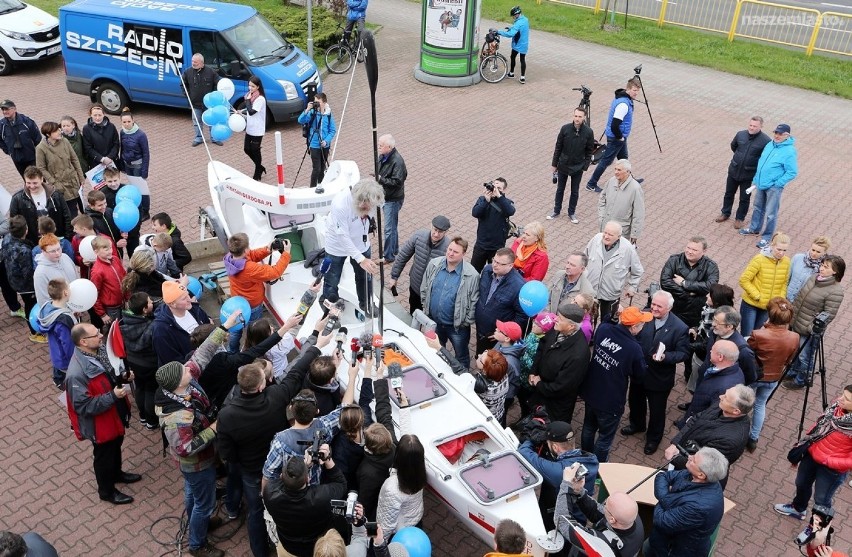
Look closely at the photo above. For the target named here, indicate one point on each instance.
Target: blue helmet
(515, 11)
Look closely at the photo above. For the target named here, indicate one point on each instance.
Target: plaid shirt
(286, 444)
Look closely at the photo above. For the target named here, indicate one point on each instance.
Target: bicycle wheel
(493, 68)
(338, 58)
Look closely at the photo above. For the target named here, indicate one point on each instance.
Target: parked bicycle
(493, 66)
(338, 57)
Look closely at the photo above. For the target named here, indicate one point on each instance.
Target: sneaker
(219, 143)
(38, 337)
(762, 244)
(747, 231)
(595, 189)
(787, 510)
(196, 143)
(522, 79)
(792, 385)
(18, 313)
(551, 216)
(573, 219)
(751, 445)
(510, 75)
(207, 550)
(150, 426)
(59, 384)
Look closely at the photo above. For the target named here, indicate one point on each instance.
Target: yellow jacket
(764, 278)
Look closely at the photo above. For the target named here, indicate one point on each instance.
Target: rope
(346, 100)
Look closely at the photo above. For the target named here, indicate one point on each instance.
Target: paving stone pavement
(452, 141)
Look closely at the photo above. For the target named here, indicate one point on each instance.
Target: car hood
(28, 20)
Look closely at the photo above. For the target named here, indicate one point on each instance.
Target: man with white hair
(347, 235)
(611, 259)
(665, 342)
(623, 201)
(392, 175)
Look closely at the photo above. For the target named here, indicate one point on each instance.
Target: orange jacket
(249, 283)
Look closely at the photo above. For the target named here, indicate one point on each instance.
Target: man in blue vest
(619, 121)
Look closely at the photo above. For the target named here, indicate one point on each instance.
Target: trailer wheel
(112, 97)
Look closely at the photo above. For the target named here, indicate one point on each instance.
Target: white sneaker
(552, 216)
(573, 219)
(522, 79)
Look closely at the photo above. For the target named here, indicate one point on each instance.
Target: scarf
(522, 253)
(813, 264)
(132, 130)
(828, 422)
(72, 134)
(196, 400)
(252, 96)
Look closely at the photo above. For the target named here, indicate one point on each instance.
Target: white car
(26, 34)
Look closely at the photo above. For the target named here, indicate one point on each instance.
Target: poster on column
(445, 25)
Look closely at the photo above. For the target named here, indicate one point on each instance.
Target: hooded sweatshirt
(58, 322)
(47, 270)
(248, 276)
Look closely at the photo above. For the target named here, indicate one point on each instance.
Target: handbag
(800, 449)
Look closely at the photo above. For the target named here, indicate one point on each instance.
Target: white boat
(445, 411)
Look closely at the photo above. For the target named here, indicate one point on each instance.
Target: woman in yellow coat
(764, 278)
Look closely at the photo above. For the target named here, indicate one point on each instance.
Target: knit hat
(633, 316)
(545, 320)
(172, 291)
(169, 375)
(396, 549)
(510, 329)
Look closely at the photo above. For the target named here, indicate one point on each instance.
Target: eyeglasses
(54, 251)
(96, 335)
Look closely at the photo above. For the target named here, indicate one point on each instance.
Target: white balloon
(226, 87)
(236, 122)
(83, 295)
(86, 250)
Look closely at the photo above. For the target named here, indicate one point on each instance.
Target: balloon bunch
(219, 114)
(126, 212)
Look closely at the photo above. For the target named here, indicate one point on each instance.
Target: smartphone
(581, 473)
(372, 529)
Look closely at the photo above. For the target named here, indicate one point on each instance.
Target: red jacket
(107, 279)
(834, 450)
(75, 245)
(535, 267)
(95, 412)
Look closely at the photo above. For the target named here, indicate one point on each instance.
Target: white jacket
(397, 510)
(346, 233)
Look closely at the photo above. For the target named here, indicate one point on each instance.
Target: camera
(638, 69)
(585, 90)
(489, 186)
(345, 508)
(820, 323)
(825, 515)
(688, 449)
(278, 245)
(317, 456)
(582, 471)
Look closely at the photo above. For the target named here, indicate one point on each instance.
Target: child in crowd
(586, 303)
(262, 329)
(162, 222)
(51, 263)
(542, 323)
(112, 185)
(17, 253)
(107, 272)
(103, 222)
(138, 337)
(58, 320)
(162, 244)
(47, 226)
(85, 226)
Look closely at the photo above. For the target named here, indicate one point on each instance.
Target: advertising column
(449, 43)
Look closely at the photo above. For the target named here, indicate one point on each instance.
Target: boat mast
(372, 68)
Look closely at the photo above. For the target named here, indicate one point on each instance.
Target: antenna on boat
(372, 67)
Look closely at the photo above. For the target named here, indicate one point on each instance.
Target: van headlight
(16, 36)
(290, 90)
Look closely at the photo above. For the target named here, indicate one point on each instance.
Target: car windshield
(257, 41)
(7, 6)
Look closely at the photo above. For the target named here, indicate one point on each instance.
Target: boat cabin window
(492, 479)
(278, 222)
(419, 386)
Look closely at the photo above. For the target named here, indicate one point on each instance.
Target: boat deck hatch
(420, 386)
(492, 479)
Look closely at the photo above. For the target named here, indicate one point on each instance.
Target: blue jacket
(134, 146)
(322, 127)
(357, 9)
(777, 165)
(520, 34)
(492, 226)
(58, 323)
(25, 132)
(504, 304)
(616, 356)
(626, 125)
(686, 515)
(712, 386)
(551, 470)
(171, 342)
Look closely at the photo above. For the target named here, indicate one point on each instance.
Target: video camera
(346, 509)
(317, 456)
(820, 323)
(825, 515)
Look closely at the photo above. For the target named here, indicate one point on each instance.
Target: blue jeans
(198, 138)
(363, 281)
(392, 209)
(762, 390)
(241, 484)
(614, 149)
(802, 365)
(815, 478)
(766, 203)
(199, 496)
(604, 424)
(235, 336)
(459, 338)
(752, 318)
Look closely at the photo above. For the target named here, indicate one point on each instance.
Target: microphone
(355, 347)
(334, 320)
(377, 348)
(340, 337)
(324, 266)
(395, 375)
(365, 341)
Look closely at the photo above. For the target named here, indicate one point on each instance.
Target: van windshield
(257, 41)
(7, 6)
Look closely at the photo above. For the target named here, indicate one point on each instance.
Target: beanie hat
(172, 290)
(545, 320)
(169, 375)
(396, 549)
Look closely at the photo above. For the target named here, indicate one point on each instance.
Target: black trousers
(414, 301)
(29, 303)
(561, 181)
(9, 294)
(319, 160)
(606, 307)
(481, 257)
(484, 343)
(728, 201)
(523, 62)
(251, 147)
(145, 385)
(107, 465)
(22, 165)
(641, 400)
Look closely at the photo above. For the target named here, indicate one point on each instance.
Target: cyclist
(356, 14)
(520, 34)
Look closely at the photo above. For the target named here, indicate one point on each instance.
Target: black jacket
(180, 253)
(711, 428)
(25, 133)
(493, 225)
(392, 175)
(22, 204)
(248, 422)
(689, 298)
(99, 141)
(574, 148)
(138, 335)
(302, 517)
(709, 389)
(660, 376)
(374, 469)
(747, 150)
(562, 367)
(199, 83)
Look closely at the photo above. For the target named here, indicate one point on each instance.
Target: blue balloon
(125, 215)
(34, 319)
(207, 117)
(415, 541)
(231, 305)
(220, 132)
(194, 287)
(218, 115)
(129, 192)
(533, 297)
(214, 98)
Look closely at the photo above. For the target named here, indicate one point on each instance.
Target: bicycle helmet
(515, 11)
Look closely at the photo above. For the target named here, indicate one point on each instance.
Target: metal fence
(804, 28)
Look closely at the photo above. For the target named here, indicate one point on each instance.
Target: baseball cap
(441, 222)
(7, 104)
(782, 128)
(633, 316)
(510, 329)
(172, 291)
(559, 432)
(545, 320)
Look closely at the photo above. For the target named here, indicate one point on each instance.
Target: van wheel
(6, 65)
(112, 96)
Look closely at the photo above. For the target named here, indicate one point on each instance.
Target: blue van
(122, 51)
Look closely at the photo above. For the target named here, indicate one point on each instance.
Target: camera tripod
(638, 70)
(816, 340)
(585, 102)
